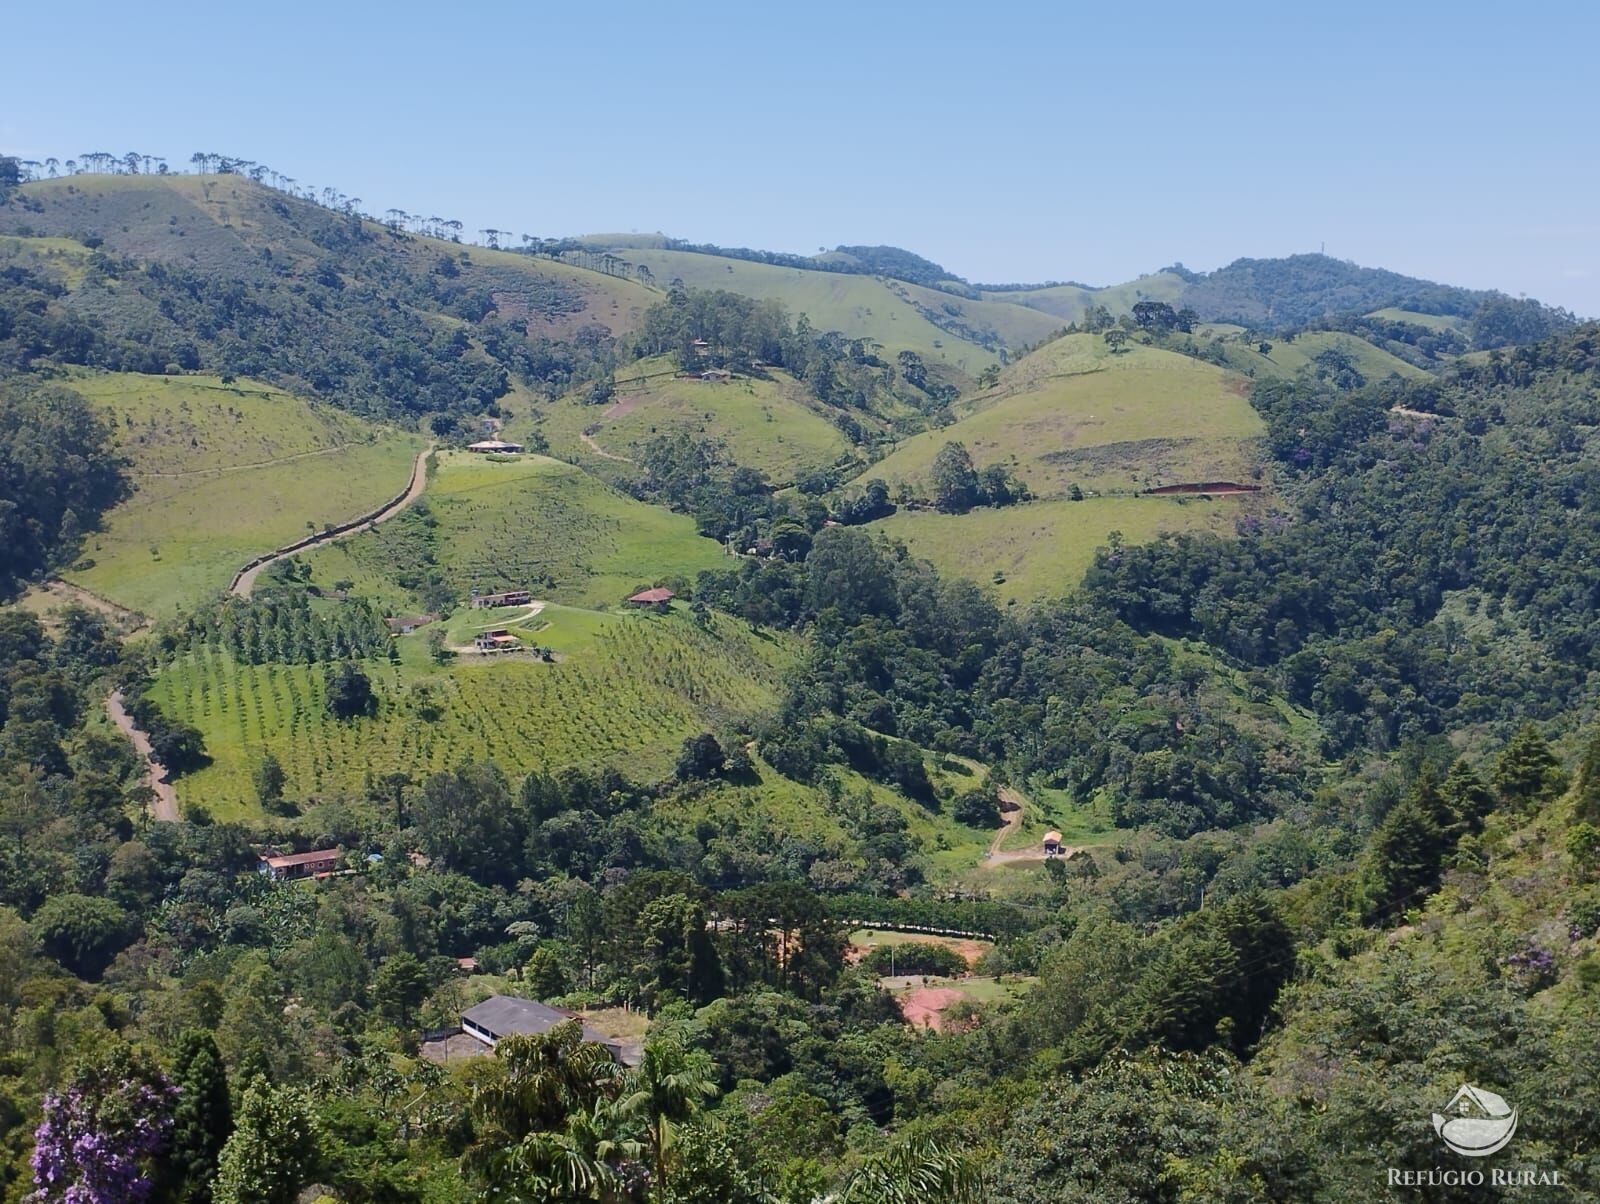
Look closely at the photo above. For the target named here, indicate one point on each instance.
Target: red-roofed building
(301, 865)
(658, 597)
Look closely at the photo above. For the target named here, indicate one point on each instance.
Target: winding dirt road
(600, 451)
(245, 579)
(164, 807)
(1011, 810)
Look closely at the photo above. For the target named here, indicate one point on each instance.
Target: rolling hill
(531, 523)
(224, 471)
(964, 334)
(1075, 413)
(772, 425)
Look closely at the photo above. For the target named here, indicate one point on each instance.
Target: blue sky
(1008, 141)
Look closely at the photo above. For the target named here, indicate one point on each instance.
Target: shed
(1052, 842)
(501, 1016)
(659, 596)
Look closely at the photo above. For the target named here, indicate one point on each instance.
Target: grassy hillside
(1069, 302)
(1074, 413)
(626, 689)
(530, 523)
(863, 306)
(1416, 318)
(1040, 550)
(773, 425)
(1288, 358)
(224, 472)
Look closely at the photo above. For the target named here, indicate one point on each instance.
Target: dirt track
(1011, 808)
(244, 581)
(165, 804)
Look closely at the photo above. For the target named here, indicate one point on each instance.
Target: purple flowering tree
(102, 1132)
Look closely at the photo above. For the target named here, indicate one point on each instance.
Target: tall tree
(272, 1150)
(203, 1118)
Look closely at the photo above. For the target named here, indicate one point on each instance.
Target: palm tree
(524, 1112)
(913, 1172)
(666, 1089)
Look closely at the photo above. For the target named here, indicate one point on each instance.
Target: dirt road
(1011, 810)
(244, 581)
(165, 805)
(600, 451)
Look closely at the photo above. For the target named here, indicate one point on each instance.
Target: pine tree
(1406, 850)
(203, 1119)
(1527, 771)
(1467, 798)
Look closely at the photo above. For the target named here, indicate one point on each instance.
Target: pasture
(1073, 413)
(525, 523)
(222, 472)
(1069, 302)
(772, 425)
(1039, 550)
(862, 306)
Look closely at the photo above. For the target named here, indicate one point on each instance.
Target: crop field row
(627, 697)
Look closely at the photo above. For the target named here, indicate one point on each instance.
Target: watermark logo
(1476, 1123)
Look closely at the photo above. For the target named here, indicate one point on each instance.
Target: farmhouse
(301, 865)
(717, 374)
(502, 1016)
(498, 640)
(653, 597)
(510, 597)
(485, 447)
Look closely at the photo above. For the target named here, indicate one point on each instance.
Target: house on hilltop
(716, 374)
(485, 447)
(658, 598)
(510, 597)
(498, 640)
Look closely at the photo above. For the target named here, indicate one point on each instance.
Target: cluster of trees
(58, 474)
(958, 485)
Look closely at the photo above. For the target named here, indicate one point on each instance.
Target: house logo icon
(1476, 1123)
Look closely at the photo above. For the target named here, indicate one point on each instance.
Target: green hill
(1074, 413)
(1289, 357)
(223, 472)
(902, 317)
(773, 425)
(221, 274)
(1039, 550)
(1069, 302)
(531, 523)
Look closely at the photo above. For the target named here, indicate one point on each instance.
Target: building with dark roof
(501, 1016)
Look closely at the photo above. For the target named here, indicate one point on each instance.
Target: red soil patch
(924, 1007)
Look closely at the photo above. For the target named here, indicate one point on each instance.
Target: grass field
(1074, 413)
(771, 425)
(1431, 321)
(1289, 358)
(626, 690)
(1041, 549)
(1069, 302)
(860, 306)
(529, 523)
(224, 472)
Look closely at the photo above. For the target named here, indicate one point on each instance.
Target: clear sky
(1023, 141)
